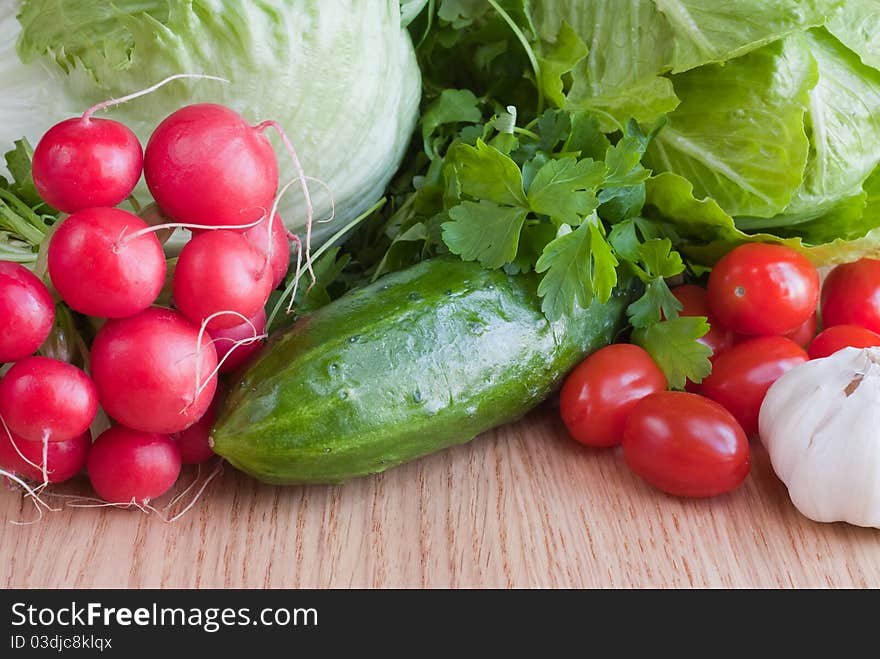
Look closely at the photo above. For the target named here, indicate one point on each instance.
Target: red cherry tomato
(839, 337)
(802, 335)
(694, 301)
(741, 376)
(805, 333)
(763, 289)
(601, 391)
(685, 445)
(851, 295)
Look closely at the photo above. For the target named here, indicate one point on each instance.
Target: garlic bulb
(820, 423)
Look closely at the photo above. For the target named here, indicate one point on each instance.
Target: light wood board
(522, 506)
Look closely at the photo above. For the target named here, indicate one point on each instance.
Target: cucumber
(421, 360)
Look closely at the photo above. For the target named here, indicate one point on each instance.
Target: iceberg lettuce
(340, 76)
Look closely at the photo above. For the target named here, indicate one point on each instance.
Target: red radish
(46, 399)
(26, 312)
(64, 460)
(271, 238)
(220, 271)
(194, 442)
(84, 162)
(231, 351)
(152, 372)
(106, 262)
(205, 164)
(129, 466)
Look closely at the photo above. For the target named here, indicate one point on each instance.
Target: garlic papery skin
(820, 423)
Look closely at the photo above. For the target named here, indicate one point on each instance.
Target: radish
(235, 345)
(129, 466)
(43, 399)
(271, 239)
(194, 442)
(221, 271)
(84, 162)
(26, 312)
(64, 459)
(204, 164)
(106, 262)
(155, 372)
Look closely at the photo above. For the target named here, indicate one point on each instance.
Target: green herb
(673, 345)
(24, 218)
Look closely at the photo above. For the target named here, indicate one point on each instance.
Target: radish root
(103, 105)
(200, 385)
(299, 254)
(304, 184)
(144, 506)
(124, 238)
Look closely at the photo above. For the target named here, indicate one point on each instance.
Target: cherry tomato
(694, 301)
(601, 391)
(839, 337)
(741, 376)
(805, 333)
(685, 445)
(802, 335)
(851, 295)
(763, 289)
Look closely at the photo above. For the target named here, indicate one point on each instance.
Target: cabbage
(340, 76)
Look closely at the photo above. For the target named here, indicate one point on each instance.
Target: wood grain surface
(522, 506)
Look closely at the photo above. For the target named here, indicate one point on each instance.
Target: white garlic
(820, 423)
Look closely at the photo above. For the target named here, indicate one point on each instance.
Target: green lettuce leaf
(738, 134)
(633, 43)
(844, 126)
(856, 23)
(630, 45)
(707, 31)
(705, 233)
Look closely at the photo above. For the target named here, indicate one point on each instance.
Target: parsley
(673, 345)
(485, 231)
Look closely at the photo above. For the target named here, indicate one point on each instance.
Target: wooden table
(521, 506)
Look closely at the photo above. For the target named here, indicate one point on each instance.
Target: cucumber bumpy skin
(421, 360)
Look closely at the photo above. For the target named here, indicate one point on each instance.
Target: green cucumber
(421, 360)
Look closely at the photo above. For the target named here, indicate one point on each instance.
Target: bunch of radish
(153, 370)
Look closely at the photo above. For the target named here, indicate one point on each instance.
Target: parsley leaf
(452, 106)
(657, 302)
(658, 261)
(485, 231)
(623, 161)
(674, 346)
(579, 265)
(659, 258)
(486, 173)
(586, 137)
(564, 189)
